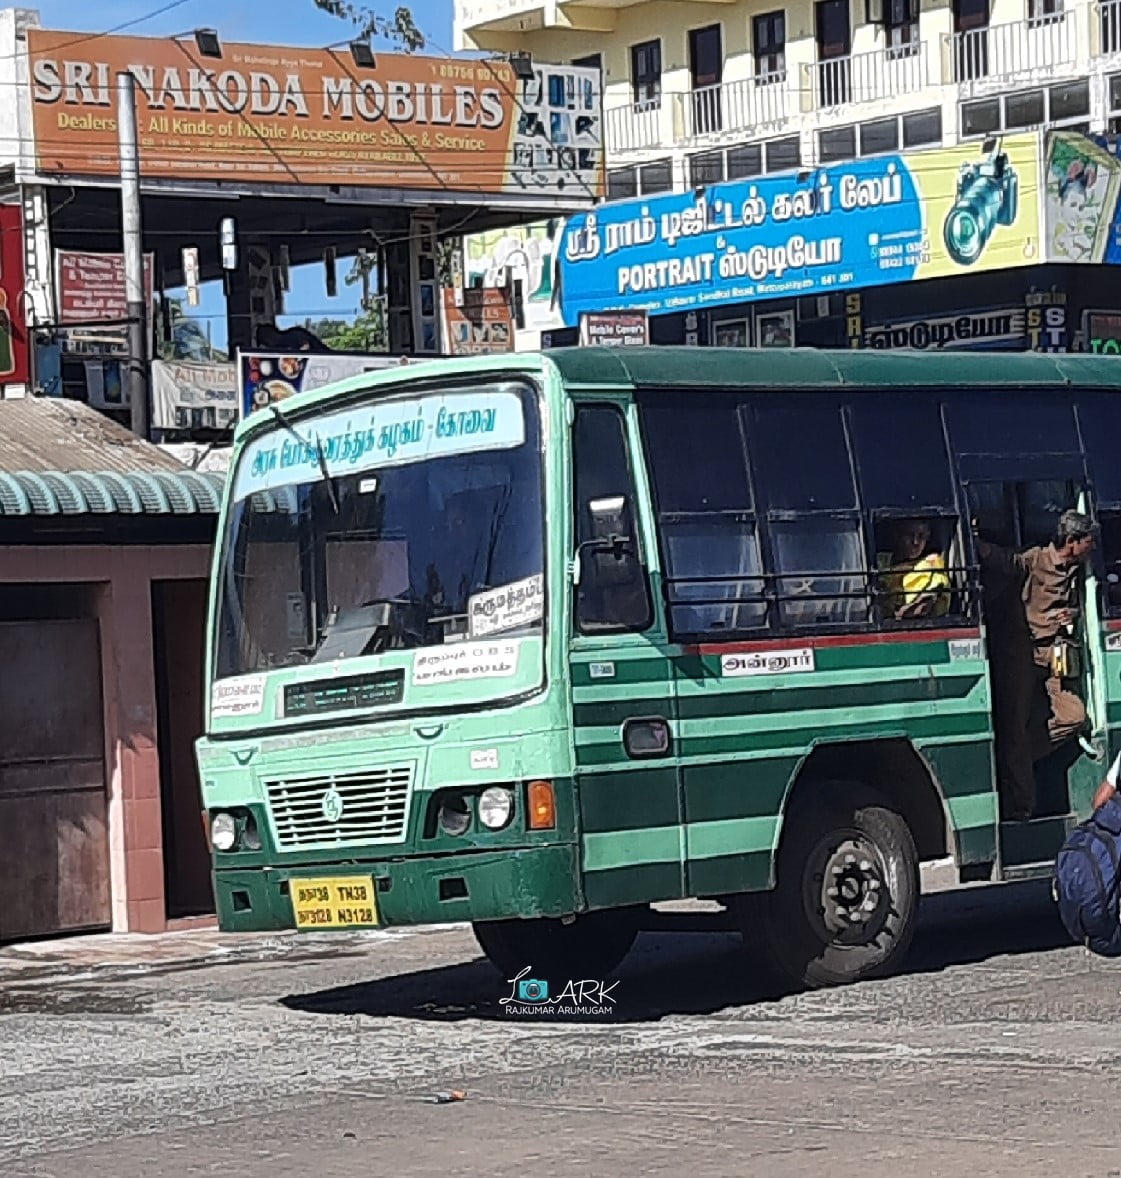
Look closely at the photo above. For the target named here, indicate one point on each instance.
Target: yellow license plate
(334, 902)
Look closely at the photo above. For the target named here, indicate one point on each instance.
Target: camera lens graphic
(533, 991)
(967, 231)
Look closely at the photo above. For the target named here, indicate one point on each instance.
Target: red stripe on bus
(824, 641)
(1114, 624)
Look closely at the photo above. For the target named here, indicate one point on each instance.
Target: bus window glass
(1009, 424)
(806, 482)
(821, 562)
(613, 593)
(1099, 415)
(900, 453)
(380, 553)
(714, 575)
(801, 454)
(1109, 524)
(919, 567)
(1041, 504)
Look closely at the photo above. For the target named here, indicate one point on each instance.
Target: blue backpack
(1087, 882)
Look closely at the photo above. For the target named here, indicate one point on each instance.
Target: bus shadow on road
(684, 972)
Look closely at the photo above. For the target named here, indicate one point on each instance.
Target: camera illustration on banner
(988, 195)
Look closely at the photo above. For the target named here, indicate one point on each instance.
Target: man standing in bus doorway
(1031, 606)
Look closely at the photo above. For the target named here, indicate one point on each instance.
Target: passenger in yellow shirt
(916, 581)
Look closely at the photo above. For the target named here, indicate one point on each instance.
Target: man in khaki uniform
(1031, 598)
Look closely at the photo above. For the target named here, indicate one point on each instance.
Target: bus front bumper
(479, 885)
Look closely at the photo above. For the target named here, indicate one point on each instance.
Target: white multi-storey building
(697, 92)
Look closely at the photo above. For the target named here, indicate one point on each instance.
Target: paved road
(997, 1053)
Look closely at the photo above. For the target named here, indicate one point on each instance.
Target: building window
(706, 67)
(980, 118)
(1110, 25)
(1024, 110)
(784, 155)
(706, 167)
(744, 161)
(922, 128)
(770, 47)
(656, 176)
(622, 183)
(1069, 100)
(646, 73)
(1067, 103)
(879, 136)
(1115, 92)
(1044, 12)
(836, 144)
(901, 26)
(971, 40)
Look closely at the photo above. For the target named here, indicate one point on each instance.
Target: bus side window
(613, 593)
(913, 560)
(706, 518)
(907, 487)
(817, 542)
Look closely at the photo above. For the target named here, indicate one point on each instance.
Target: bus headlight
(455, 815)
(496, 805)
(223, 832)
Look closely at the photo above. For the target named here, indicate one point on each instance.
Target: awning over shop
(52, 492)
(62, 458)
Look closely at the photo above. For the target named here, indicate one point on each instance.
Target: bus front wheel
(590, 947)
(846, 899)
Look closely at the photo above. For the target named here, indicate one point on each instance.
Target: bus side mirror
(609, 557)
(609, 519)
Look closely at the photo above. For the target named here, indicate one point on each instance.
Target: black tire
(592, 946)
(842, 837)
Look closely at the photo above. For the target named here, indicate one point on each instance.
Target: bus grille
(368, 807)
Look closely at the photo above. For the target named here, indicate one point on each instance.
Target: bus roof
(794, 369)
(813, 368)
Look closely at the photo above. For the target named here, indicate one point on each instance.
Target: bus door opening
(1015, 516)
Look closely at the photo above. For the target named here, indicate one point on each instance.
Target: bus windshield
(391, 525)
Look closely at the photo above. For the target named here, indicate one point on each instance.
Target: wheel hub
(852, 894)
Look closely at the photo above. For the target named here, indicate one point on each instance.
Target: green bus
(540, 641)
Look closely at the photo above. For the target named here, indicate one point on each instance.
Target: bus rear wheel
(846, 901)
(590, 947)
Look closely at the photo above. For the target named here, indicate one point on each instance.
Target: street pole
(137, 374)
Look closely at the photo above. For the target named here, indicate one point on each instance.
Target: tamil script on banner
(868, 222)
(188, 396)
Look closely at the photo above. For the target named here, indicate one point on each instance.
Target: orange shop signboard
(310, 116)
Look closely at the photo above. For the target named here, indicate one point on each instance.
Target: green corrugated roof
(152, 492)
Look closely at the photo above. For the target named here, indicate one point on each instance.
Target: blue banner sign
(865, 223)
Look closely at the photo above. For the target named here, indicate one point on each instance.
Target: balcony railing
(865, 77)
(734, 106)
(1006, 51)
(635, 127)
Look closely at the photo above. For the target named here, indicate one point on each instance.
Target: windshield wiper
(278, 413)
